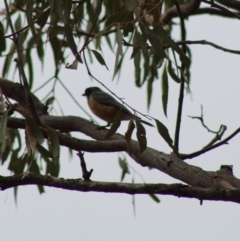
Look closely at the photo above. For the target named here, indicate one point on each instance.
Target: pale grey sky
(64, 215)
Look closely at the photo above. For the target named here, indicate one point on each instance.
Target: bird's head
(90, 90)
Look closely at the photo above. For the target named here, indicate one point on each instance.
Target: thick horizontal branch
(171, 164)
(231, 3)
(177, 190)
(186, 10)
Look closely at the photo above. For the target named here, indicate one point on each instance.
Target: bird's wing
(106, 99)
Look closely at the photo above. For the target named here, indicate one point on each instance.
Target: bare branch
(169, 164)
(216, 12)
(85, 173)
(215, 5)
(198, 153)
(205, 42)
(182, 84)
(190, 42)
(230, 3)
(177, 190)
(186, 10)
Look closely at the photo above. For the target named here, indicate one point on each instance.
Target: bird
(106, 107)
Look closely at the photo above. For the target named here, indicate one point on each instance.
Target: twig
(190, 42)
(177, 190)
(230, 3)
(21, 68)
(217, 137)
(215, 5)
(15, 40)
(181, 91)
(213, 11)
(93, 25)
(205, 42)
(85, 173)
(186, 9)
(198, 153)
(200, 118)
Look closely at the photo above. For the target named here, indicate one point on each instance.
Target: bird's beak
(83, 94)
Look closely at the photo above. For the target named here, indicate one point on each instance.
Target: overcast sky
(66, 215)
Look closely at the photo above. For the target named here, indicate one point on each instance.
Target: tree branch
(230, 3)
(186, 10)
(171, 164)
(198, 153)
(205, 42)
(223, 9)
(177, 190)
(182, 84)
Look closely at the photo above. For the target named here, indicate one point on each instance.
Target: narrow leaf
(44, 152)
(141, 135)
(3, 127)
(163, 35)
(128, 134)
(149, 91)
(29, 11)
(165, 90)
(155, 42)
(172, 73)
(115, 125)
(154, 197)
(53, 138)
(36, 131)
(3, 40)
(124, 166)
(42, 20)
(99, 58)
(163, 131)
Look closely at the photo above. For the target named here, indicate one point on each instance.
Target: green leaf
(119, 41)
(40, 51)
(35, 169)
(155, 42)
(141, 135)
(128, 135)
(119, 53)
(154, 197)
(164, 90)
(137, 59)
(18, 23)
(67, 6)
(8, 61)
(52, 168)
(29, 11)
(36, 131)
(149, 91)
(115, 18)
(163, 35)
(172, 73)
(42, 20)
(99, 58)
(115, 125)
(124, 166)
(3, 40)
(30, 68)
(163, 131)
(44, 152)
(55, 145)
(71, 42)
(16, 164)
(3, 127)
